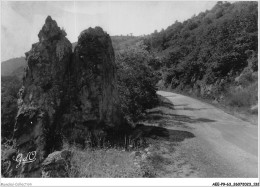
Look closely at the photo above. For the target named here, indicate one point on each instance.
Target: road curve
(224, 146)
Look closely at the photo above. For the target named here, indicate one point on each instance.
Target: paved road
(223, 146)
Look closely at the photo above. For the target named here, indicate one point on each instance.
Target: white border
(126, 182)
(123, 182)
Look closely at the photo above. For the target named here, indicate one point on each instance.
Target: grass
(243, 102)
(242, 97)
(103, 163)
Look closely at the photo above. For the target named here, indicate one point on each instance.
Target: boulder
(7, 161)
(56, 165)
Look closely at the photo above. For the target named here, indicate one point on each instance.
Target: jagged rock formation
(64, 95)
(41, 98)
(93, 97)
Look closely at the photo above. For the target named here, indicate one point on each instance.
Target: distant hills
(13, 66)
(123, 42)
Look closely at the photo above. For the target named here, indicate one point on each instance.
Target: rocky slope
(64, 97)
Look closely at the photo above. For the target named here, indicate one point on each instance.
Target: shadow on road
(160, 133)
(192, 109)
(170, 96)
(159, 115)
(163, 113)
(160, 158)
(164, 102)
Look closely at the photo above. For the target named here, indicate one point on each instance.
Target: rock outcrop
(65, 97)
(92, 88)
(94, 66)
(41, 99)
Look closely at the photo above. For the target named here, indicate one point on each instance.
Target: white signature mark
(30, 157)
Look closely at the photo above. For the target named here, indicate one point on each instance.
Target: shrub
(243, 97)
(136, 82)
(246, 79)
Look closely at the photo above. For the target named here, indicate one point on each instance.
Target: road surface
(223, 145)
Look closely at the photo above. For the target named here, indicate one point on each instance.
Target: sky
(21, 21)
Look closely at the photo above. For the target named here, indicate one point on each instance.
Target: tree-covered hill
(208, 53)
(123, 42)
(8, 67)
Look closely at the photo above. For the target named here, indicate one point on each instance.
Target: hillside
(212, 55)
(11, 65)
(123, 42)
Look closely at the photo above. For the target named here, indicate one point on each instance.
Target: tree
(136, 81)
(9, 89)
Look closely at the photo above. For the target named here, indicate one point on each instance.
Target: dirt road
(211, 143)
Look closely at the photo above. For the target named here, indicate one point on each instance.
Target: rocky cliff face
(63, 95)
